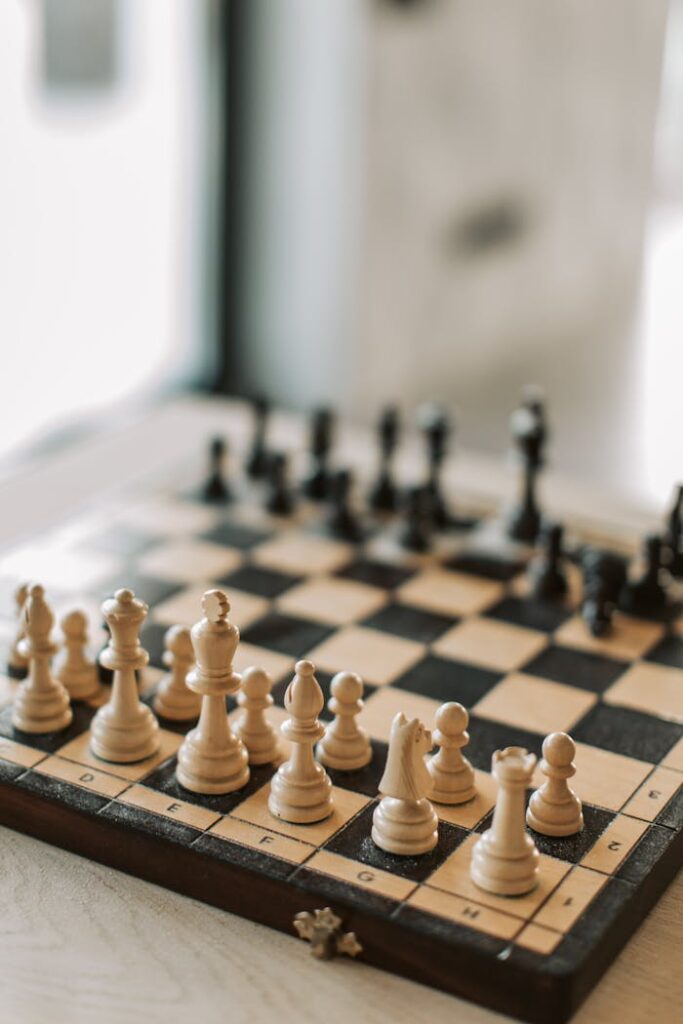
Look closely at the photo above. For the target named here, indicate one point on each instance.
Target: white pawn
(345, 746)
(42, 703)
(73, 668)
(174, 700)
(451, 772)
(554, 810)
(124, 730)
(258, 735)
(505, 859)
(301, 790)
(404, 821)
(211, 758)
(17, 663)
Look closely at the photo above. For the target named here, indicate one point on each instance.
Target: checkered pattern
(420, 631)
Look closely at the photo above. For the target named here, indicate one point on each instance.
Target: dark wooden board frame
(519, 988)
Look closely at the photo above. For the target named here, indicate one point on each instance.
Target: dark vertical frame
(232, 18)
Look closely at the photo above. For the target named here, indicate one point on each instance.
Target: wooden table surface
(83, 943)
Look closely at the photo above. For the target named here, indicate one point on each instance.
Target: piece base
(300, 815)
(545, 828)
(200, 784)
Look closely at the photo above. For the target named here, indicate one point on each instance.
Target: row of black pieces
(606, 585)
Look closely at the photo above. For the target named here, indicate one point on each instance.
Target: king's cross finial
(323, 929)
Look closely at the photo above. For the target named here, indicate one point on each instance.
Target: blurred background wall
(351, 201)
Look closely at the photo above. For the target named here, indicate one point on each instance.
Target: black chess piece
(674, 536)
(604, 575)
(435, 425)
(529, 432)
(547, 579)
(384, 496)
(216, 487)
(256, 465)
(279, 501)
(342, 522)
(316, 484)
(416, 534)
(646, 596)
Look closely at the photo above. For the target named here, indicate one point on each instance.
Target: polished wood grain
(80, 942)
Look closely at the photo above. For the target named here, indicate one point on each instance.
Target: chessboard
(421, 629)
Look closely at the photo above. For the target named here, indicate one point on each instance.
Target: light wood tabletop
(81, 943)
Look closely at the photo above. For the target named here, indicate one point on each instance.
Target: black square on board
(286, 634)
(354, 841)
(574, 848)
(668, 651)
(163, 779)
(377, 574)
(546, 616)
(364, 780)
(487, 736)
(263, 582)
(490, 566)
(575, 668)
(627, 732)
(411, 623)
(49, 742)
(236, 535)
(443, 680)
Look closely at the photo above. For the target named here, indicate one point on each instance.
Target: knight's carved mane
(405, 774)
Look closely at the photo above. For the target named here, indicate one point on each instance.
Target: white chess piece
(73, 668)
(505, 859)
(345, 746)
(554, 810)
(211, 758)
(17, 663)
(174, 699)
(301, 790)
(124, 730)
(451, 772)
(42, 703)
(404, 821)
(253, 728)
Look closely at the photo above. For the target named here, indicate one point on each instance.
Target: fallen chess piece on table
(323, 929)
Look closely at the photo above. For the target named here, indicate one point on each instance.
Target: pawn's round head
(178, 640)
(347, 687)
(256, 683)
(559, 749)
(451, 718)
(74, 623)
(36, 590)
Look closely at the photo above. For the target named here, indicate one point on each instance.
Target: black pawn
(342, 522)
(256, 465)
(646, 595)
(383, 497)
(674, 536)
(416, 534)
(279, 499)
(216, 488)
(604, 575)
(529, 433)
(547, 579)
(316, 485)
(436, 428)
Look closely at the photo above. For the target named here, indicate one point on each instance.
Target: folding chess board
(452, 625)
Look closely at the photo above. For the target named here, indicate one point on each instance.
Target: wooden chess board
(420, 629)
